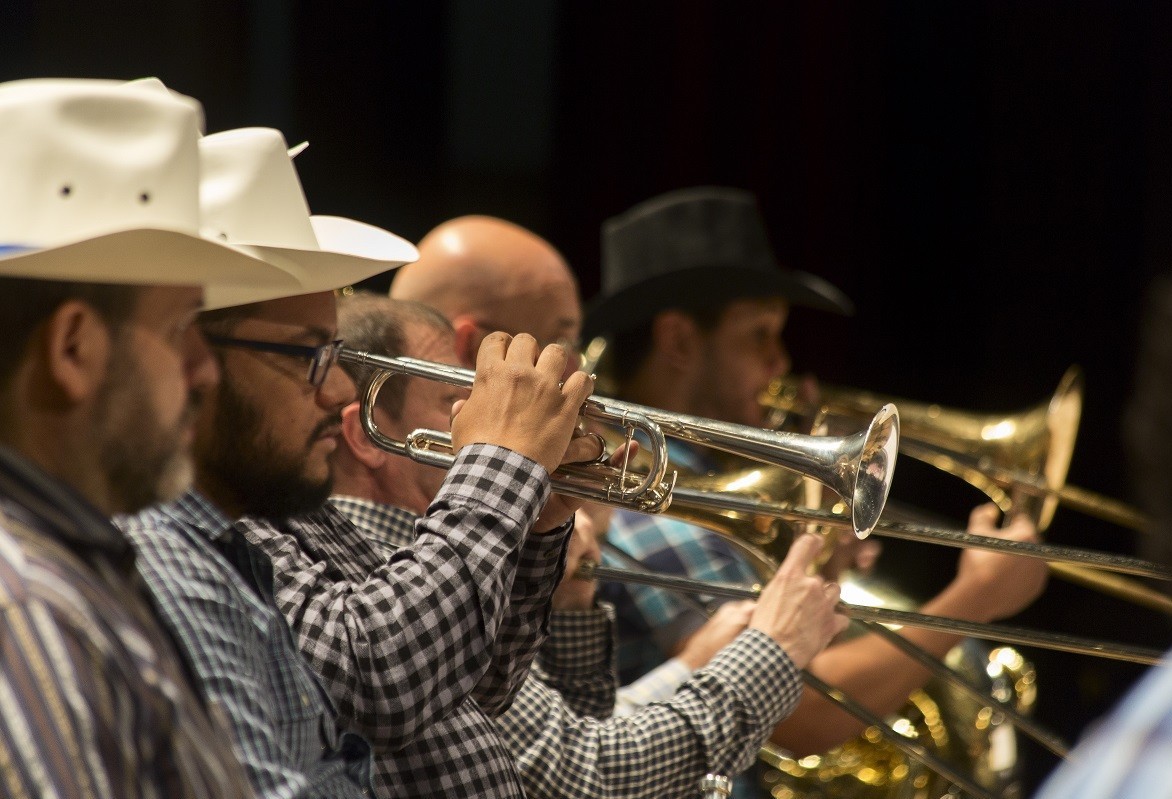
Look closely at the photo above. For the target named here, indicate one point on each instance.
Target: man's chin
(175, 479)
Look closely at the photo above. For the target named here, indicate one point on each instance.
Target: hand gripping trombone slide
(859, 468)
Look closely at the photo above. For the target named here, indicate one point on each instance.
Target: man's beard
(143, 463)
(264, 478)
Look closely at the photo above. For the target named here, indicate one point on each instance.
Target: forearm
(577, 660)
(408, 642)
(526, 621)
(872, 672)
(657, 685)
(716, 723)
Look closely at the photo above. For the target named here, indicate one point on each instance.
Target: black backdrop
(988, 181)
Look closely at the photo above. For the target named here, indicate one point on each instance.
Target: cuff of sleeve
(508, 483)
(542, 555)
(579, 642)
(761, 671)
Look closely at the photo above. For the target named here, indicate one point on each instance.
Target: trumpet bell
(1002, 455)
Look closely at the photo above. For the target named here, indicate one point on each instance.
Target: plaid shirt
(716, 723)
(1126, 755)
(404, 641)
(651, 621)
(215, 593)
(94, 700)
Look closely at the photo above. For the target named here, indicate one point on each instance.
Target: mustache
(333, 420)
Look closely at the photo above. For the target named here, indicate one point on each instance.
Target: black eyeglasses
(320, 358)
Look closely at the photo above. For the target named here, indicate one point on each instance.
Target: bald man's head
(487, 274)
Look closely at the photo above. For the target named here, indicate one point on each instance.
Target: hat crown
(250, 193)
(84, 157)
(707, 227)
(694, 248)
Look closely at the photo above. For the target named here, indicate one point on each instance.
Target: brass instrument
(858, 467)
(959, 730)
(1020, 460)
(954, 732)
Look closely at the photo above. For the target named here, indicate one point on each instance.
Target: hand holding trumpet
(522, 403)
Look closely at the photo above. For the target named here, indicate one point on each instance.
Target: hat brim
(149, 257)
(351, 251)
(707, 287)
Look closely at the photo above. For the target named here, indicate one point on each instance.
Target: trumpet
(858, 467)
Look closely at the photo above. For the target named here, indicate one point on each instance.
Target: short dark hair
(377, 324)
(1147, 422)
(25, 303)
(628, 349)
(223, 321)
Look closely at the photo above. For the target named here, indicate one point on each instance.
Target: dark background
(988, 181)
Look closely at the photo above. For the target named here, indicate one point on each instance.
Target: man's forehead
(309, 316)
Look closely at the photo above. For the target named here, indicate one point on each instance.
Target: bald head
(493, 275)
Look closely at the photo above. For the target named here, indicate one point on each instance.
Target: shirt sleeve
(657, 685)
(526, 622)
(1125, 754)
(407, 644)
(716, 722)
(577, 660)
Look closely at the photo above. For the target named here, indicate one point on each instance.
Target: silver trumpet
(859, 468)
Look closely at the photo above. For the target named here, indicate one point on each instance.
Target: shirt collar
(56, 506)
(200, 514)
(388, 523)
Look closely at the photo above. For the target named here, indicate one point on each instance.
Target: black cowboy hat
(693, 248)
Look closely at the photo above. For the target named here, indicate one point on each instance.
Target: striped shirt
(94, 702)
(557, 727)
(215, 594)
(403, 642)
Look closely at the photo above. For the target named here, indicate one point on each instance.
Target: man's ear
(78, 346)
(468, 338)
(361, 447)
(675, 336)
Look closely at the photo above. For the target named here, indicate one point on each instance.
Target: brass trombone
(995, 632)
(859, 467)
(1019, 460)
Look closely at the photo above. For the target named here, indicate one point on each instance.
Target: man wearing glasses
(403, 647)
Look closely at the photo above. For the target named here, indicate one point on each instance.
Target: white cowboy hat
(251, 197)
(101, 185)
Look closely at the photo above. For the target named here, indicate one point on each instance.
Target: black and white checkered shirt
(403, 642)
(558, 727)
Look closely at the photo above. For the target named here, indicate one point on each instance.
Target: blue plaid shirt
(215, 593)
(651, 621)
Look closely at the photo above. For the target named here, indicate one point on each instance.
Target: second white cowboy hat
(251, 197)
(101, 185)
